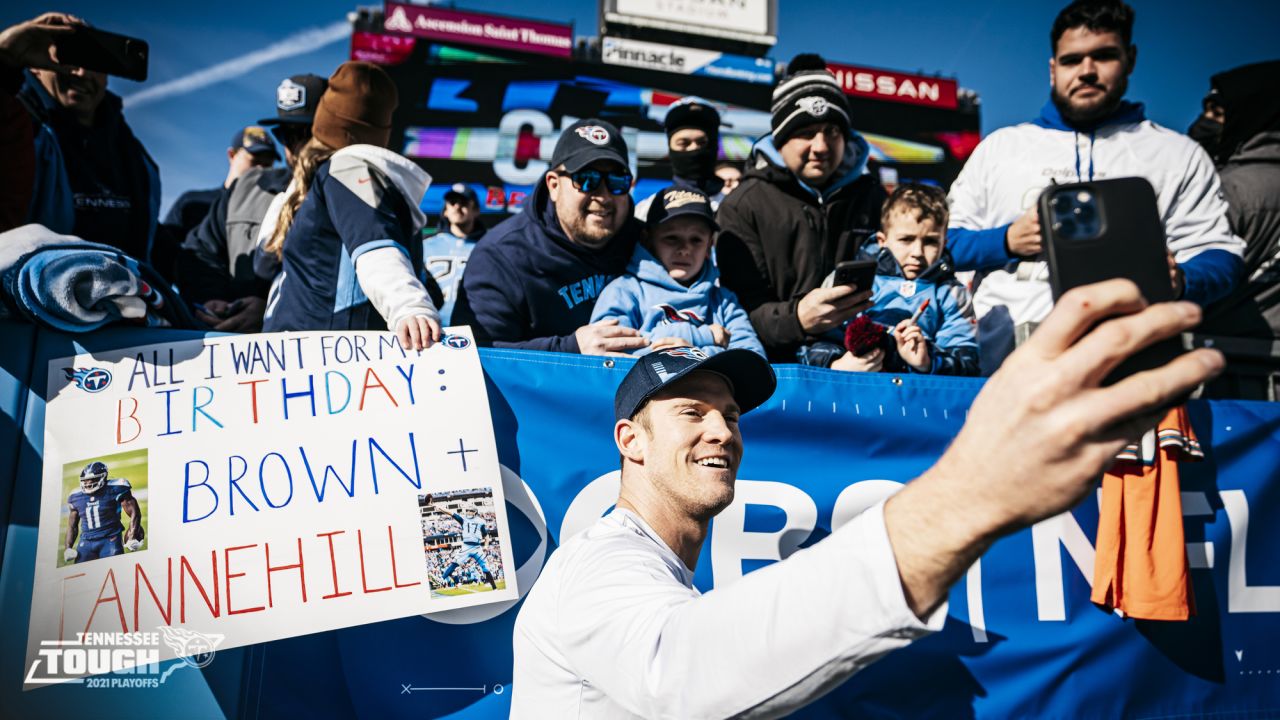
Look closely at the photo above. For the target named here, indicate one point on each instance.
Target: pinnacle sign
(686, 61)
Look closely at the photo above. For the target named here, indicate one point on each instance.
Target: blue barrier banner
(1022, 638)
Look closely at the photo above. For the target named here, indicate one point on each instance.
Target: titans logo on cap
(688, 353)
(593, 134)
(290, 95)
(813, 105)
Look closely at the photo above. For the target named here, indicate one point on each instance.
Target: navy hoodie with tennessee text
(528, 286)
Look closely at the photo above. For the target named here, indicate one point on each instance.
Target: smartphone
(105, 52)
(860, 273)
(1104, 229)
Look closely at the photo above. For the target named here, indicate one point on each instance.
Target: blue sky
(997, 47)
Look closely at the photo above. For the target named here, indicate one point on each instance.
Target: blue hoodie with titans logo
(528, 286)
(648, 299)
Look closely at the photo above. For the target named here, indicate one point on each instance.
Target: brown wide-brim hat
(356, 108)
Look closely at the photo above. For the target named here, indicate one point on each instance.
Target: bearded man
(533, 282)
(1086, 131)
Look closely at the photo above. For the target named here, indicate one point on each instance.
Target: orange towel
(1141, 563)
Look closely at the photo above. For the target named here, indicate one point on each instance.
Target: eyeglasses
(588, 180)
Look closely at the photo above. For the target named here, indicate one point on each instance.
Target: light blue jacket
(648, 299)
(947, 323)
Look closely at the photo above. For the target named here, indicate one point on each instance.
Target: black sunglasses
(588, 180)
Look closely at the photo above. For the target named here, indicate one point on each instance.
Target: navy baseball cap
(677, 201)
(751, 378)
(296, 100)
(460, 191)
(587, 141)
(255, 140)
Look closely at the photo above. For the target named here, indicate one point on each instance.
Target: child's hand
(667, 343)
(912, 346)
(871, 362)
(720, 335)
(417, 332)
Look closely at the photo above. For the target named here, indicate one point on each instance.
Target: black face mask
(1208, 133)
(694, 165)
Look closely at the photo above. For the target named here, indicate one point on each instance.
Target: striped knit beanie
(807, 94)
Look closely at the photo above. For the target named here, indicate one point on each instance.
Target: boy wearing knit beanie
(805, 204)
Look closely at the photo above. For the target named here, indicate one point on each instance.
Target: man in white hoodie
(1087, 131)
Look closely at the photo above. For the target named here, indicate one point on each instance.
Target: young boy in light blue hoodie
(916, 295)
(671, 291)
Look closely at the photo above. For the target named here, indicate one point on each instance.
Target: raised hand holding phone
(1108, 229)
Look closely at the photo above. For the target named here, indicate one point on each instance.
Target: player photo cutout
(105, 512)
(460, 541)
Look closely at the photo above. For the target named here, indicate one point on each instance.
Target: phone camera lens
(1068, 228)
(1062, 203)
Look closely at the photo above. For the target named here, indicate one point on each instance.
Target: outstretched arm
(1040, 432)
(1036, 437)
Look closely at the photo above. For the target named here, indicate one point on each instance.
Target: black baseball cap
(751, 378)
(680, 200)
(692, 112)
(296, 99)
(461, 191)
(255, 140)
(587, 141)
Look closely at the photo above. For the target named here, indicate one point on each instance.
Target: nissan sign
(895, 86)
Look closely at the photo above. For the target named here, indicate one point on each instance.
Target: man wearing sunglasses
(216, 262)
(534, 280)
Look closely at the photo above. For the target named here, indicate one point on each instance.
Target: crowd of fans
(726, 256)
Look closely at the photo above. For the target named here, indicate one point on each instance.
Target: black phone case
(858, 272)
(1130, 244)
(105, 52)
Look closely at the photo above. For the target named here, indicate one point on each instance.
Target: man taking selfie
(614, 627)
(93, 178)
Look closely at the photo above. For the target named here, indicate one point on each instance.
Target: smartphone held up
(1105, 229)
(104, 52)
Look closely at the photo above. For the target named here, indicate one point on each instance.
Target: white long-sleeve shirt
(615, 629)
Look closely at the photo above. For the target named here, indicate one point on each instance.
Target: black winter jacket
(779, 238)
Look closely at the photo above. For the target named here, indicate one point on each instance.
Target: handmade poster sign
(233, 490)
